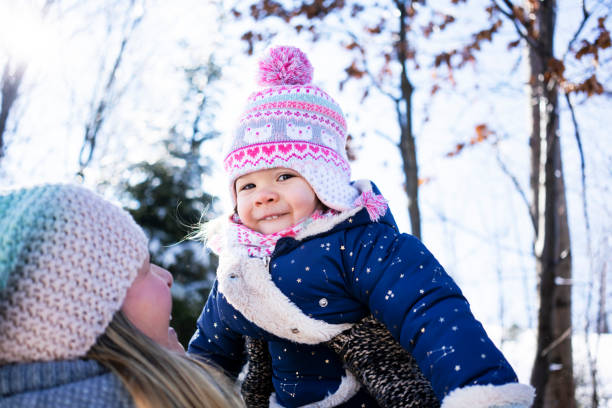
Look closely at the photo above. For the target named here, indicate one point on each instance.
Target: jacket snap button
(295, 331)
(322, 302)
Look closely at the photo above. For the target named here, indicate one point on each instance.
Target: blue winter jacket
(330, 276)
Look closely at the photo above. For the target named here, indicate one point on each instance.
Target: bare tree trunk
(552, 373)
(602, 318)
(11, 80)
(407, 145)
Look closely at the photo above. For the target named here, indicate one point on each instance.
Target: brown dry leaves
(482, 133)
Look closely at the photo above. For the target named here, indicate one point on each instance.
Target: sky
(473, 219)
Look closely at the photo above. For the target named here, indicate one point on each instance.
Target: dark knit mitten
(389, 372)
(257, 385)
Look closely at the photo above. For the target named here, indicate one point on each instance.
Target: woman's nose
(170, 278)
(166, 275)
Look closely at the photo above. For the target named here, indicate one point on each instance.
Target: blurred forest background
(484, 122)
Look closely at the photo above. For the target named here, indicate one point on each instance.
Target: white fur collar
(247, 285)
(477, 396)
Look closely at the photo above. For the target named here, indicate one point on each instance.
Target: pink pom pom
(375, 204)
(284, 66)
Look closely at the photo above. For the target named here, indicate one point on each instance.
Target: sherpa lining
(489, 396)
(247, 285)
(347, 389)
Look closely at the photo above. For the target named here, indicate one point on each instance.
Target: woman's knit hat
(67, 259)
(292, 123)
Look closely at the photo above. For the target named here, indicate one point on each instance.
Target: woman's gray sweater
(70, 383)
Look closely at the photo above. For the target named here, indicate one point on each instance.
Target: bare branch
(398, 112)
(510, 15)
(370, 75)
(582, 166)
(517, 186)
(10, 83)
(386, 137)
(590, 358)
(378, 87)
(375, 82)
(11, 80)
(406, 86)
(557, 341)
(95, 124)
(517, 64)
(585, 17)
(46, 7)
(485, 239)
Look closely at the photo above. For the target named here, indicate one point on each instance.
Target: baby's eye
(247, 187)
(285, 176)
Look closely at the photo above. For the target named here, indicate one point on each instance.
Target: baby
(307, 253)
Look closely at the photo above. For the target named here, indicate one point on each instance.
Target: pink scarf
(261, 245)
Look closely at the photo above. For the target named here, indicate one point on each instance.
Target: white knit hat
(294, 124)
(67, 258)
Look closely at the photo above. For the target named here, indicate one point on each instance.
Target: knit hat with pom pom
(294, 124)
(67, 259)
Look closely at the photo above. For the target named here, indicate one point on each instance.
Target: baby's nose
(267, 196)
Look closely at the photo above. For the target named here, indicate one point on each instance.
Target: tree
(11, 80)
(28, 43)
(552, 373)
(12, 77)
(101, 105)
(534, 24)
(396, 58)
(167, 198)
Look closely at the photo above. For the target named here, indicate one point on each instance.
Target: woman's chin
(173, 342)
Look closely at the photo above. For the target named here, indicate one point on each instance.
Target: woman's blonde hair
(156, 377)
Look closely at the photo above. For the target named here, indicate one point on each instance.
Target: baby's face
(271, 200)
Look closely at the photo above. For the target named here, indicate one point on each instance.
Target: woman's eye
(284, 177)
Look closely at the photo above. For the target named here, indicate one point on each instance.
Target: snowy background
(472, 218)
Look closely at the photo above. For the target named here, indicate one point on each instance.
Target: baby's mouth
(272, 217)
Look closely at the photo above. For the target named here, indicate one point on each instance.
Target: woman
(84, 315)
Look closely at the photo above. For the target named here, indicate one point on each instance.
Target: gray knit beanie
(67, 258)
